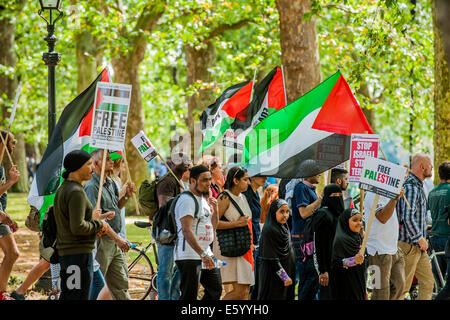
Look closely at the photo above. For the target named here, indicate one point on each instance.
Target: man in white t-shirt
(385, 258)
(195, 235)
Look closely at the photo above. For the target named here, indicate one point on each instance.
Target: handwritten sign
(382, 177)
(144, 146)
(361, 146)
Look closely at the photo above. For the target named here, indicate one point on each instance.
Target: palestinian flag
(217, 117)
(269, 97)
(309, 136)
(72, 132)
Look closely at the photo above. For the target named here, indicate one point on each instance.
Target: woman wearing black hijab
(277, 256)
(325, 223)
(348, 271)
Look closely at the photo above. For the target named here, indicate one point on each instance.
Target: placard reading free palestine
(382, 177)
(109, 124)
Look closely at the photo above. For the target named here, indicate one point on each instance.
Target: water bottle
(218, 263)
(132, 245)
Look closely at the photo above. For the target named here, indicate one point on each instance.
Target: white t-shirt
(201, 226)
(382, 237)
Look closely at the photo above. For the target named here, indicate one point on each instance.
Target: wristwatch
(204, 254)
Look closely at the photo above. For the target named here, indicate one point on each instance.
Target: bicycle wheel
(140, 274)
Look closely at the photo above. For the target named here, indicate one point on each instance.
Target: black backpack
(164, 224)
(49, 233)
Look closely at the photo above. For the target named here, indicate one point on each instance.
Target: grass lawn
(18, 209)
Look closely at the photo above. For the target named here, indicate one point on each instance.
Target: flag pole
(5, 148)
(102, 176)
(170, 170)
(11, 119)
(369, 225)
(284, 85)
(129, 179)
(253, 85)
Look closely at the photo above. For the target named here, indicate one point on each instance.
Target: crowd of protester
(304, 245)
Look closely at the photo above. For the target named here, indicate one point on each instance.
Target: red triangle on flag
(341, 112)
(276, 98)
(86, 124)
(238, 101)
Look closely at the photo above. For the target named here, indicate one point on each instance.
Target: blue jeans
(444, 294)
(168, 280)
(438, 244)
(97, 284)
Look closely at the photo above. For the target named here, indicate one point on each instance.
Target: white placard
(144, 146)
(382, 177)
(109, 122)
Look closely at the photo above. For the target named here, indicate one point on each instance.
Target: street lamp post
(51, 58)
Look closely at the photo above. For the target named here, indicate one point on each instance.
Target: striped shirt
(413, 223)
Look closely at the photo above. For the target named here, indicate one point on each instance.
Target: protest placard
(110, 118)
(144, 146)
(361, 146)
(382, 177)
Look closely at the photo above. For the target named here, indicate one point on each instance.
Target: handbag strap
(235, 204)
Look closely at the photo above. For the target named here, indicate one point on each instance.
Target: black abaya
(276, 252)
(347, 283)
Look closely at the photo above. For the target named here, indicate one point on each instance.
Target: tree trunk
(86, 60)
(299, 48)
(299, 52)
(197, 63)
(9, 86)
(126, 71)
(441, 137)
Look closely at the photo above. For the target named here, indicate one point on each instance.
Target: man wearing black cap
(76, 229)
(197, 233)
(109, 249)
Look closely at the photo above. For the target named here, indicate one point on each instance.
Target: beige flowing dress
(237, 269)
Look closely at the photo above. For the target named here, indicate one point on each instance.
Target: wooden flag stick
(369, 225)
(329, 177)
(102, 176)
(361, 202)
(5, 148)
(404, 197)
(129, 179)
(170, 170)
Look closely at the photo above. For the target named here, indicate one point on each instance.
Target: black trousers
(191, 274)
(76, 276)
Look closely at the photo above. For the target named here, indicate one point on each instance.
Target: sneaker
(17, 296)
(4, 295)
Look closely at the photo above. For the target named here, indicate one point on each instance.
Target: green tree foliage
(383, 48)
(386, 49)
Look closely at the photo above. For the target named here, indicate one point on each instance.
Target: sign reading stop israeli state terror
(382, 177)
(361, 146)
(109, 123)
(144, 146)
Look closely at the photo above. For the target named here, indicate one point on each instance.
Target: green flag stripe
(212, 135)
(113, 107)
(282, 123)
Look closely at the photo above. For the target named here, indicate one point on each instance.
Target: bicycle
(141, 273)
(439, 281)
